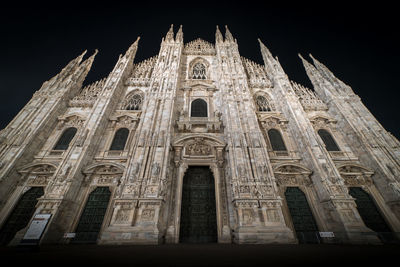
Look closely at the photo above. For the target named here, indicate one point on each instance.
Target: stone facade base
(363, 238)
(131, 235)
(247, 235)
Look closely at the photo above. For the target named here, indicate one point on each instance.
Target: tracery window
(199, 71)
(133, 102)
(328, 140)
(276, 140)
(262, 103)
(65, 139)
(119, 140)
(199, 108)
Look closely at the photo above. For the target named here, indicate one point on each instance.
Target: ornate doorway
(198, 209)
(302, 217)
(21, 215)
(92, 216)
(371, 215)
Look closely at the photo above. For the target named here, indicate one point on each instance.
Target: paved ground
(204, 255)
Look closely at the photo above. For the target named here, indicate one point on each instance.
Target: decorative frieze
(88, 95)
(199, 47)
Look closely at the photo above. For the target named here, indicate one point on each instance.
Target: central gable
(199, 47)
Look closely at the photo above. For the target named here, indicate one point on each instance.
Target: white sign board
(326, 234)
(37, 226)
(69, 235)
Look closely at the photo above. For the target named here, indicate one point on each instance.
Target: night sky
(358, 44)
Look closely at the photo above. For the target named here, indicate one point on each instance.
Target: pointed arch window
(199, 108)
(276, 140)
(262, 103)
(199, 71)
(133, 102)
(119, 141)
(328, 140)
(65, 139)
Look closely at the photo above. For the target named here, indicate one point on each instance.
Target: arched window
(133, 102)
(199, 108)
(262, 103)
(328, 140)
(199, 71)
(276, 140)
(65, 139)
(119, 140)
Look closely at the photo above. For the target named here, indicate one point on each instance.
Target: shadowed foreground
(202, 255)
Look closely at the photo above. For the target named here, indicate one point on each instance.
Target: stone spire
(80, 74)
(323, 79)
(265, 52)
(64, 73)
(312, 73)
(179, 35)
(272, 64)
(328, 75)
(218, 36)
(133, 47)
(228, 35)
(170, 34)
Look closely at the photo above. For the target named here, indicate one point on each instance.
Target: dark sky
(358, 44)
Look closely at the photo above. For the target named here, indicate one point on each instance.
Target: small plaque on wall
(326, 234)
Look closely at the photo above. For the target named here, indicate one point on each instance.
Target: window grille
(275, 138)
(328, 140)
(119, 140)
(199, 108)
(65, 139)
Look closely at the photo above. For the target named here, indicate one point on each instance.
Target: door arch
(92, 217)
(303, 220)
(21, 214)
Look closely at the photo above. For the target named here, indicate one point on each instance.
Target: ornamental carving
(88, 95)
(38, 175)
(292, 175)
(355, 175)
(104, 174)
(71, 121)
(198, 148)
(199, 47)
(308, 98)
(147, 214)
(247, 216)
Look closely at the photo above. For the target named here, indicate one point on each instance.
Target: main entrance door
(92, 216)
(198, 212)
(21, 214)
(302, 217)
(371, 215)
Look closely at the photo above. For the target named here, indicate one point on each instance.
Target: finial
(179, 34)
(228, 34)
(170, 34)
(218, 35)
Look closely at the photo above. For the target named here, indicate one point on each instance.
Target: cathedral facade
(197, 144)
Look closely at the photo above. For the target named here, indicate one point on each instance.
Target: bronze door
(302, 217)
(371, 215)
(21, 215)
(198, 211)
(92, 216)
